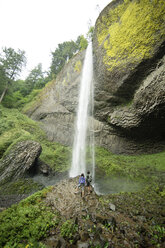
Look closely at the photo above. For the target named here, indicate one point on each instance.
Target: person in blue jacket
(82, 184)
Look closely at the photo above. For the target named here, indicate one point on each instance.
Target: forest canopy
(16, 92)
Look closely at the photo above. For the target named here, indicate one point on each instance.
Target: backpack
(89, 179)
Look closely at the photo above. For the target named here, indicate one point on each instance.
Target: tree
(11, 63)
(90, 33)
(62, 54)
(66, 51)
(82, 43)
(36, 79)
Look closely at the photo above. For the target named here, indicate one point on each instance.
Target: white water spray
(80, 138)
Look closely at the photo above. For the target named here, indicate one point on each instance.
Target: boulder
(21, 159)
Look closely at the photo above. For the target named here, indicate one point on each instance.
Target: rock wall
(57, 104)
(129, 65)
(129, 75)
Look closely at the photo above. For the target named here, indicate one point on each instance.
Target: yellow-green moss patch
(78, 66)
(130, 32)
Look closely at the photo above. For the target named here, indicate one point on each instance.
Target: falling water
(85, 106)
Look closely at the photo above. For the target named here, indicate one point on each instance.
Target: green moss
(16, 127)
(130, 32)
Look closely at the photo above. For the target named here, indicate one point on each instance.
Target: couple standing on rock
(85, 182)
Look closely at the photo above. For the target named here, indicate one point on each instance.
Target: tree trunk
(3, 94)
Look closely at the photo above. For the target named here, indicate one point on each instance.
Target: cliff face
(57, 103)
(129, 49)
(129, 73)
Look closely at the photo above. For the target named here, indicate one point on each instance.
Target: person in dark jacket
(88, 182)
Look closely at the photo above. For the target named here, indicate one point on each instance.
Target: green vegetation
(33, 102)
(22, 186)
(14, 99)
(131, 31)
(139, 166)
(11, 63)
(15, 127)
(142, 203)
(157, 234)
(68, 229)
(17, 93)
(65, 52)
(25, 224)
(22, 92)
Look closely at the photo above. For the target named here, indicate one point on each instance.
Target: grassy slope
(15, 127)
(137, 166)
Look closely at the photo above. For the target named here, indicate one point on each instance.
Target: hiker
(88, 182)
(82, 184)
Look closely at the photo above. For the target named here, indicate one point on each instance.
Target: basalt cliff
(129, 77)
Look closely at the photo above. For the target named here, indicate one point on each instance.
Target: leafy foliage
(64, 52)
(11, 63)
(30, 220)
(157, 234)
(68, 229)
(24, 91)
(36, 79)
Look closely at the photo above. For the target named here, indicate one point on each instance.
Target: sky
(38, 26)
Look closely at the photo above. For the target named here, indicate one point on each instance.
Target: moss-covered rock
(130, 32)
(129, 49)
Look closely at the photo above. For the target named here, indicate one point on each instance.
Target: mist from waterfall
(83, 123)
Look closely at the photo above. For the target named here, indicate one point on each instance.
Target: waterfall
(85, 108)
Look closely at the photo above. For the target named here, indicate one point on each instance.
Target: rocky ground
(117, 220)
